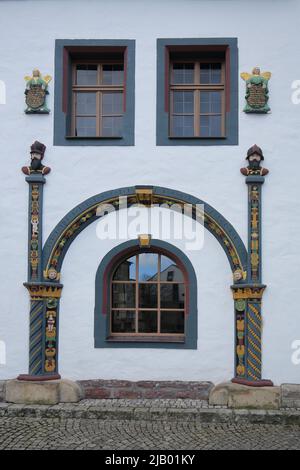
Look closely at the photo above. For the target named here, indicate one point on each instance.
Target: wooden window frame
(157, 336)
(99, 89)
(196, 88)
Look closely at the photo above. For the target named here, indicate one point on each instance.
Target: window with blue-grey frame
(146, 297)
(94, 92)
(197, 91)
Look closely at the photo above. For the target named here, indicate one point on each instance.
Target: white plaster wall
(267, 33)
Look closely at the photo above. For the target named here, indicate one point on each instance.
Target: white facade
(267, 35)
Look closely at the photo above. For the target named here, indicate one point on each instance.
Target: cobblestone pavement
(47, 433)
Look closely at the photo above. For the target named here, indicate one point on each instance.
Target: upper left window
(94, 92)
(97, 99)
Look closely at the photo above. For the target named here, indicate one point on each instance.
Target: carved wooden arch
(85, 213)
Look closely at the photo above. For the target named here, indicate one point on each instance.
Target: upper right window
(197, 92)
(197, 98)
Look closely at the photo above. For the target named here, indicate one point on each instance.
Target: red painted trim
(125, 79)
(65, 80)
(167, 79)
(227, 79)
(256, 383)
(37, 378)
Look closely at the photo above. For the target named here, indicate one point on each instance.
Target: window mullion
(158, 294)
(137, 295)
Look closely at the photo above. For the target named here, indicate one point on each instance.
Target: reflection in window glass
(85, 127)
(113, 74)
(183, 73)
(210, 73)
(147, 322)
(172, 295)
(123, 295)
(126, 271)
(148, 267)
(172, 322)
(148, 295)
(123, 321)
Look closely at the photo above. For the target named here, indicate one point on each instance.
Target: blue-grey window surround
(63, 90)
(231, 118)
(102, 297)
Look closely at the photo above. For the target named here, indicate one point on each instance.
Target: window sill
(195, 138)
(145, 339)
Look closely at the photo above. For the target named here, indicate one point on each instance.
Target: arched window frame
(106, 269)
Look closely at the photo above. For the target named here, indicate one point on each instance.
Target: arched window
(148, 297)
(145, 297)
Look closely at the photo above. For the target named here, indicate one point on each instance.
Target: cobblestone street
(47, 433)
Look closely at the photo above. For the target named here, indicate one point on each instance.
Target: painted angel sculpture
(35, 93)
(257, 91)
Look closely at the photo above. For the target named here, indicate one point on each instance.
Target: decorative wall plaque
(35, 93)
(257, 91)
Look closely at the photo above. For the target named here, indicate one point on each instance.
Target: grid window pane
(169, 270)
(123, 321)
(123, 295)
(210, 73)
(172, 322)
(112, 126)
(112, 103)
(183, 73)
(147, 321)
(126, 271)
(86, 74)
(113, 74)
(183, 126)
(211, 126)
(183, 102)
(172, 295)
(148, 267)
(148, 295)
(86, 103)
(85, 127)
(210, 102)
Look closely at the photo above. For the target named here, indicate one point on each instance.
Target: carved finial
(254, 156)
(37, 151)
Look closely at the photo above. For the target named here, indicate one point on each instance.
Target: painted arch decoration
(45, 265)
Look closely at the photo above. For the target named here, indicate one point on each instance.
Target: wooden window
(98, 97)
(197, 98)
(148, 294)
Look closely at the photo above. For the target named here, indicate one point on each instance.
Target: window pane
(126, 271)
(210, 102)
(86, 103)
(169, 271)
(85, 127)
(210, 73)
(211, 126)
(123, 321)
(86, 74)
(112, 126)
(113, 74)
(183, 126)
(123, 295)
(172, 295)
(112, 103)
(148, 267)
(172, 322)
(148, 295)
(183, 73)
(147, 322)
(183, 102)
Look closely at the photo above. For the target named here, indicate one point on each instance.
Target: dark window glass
(148, 295)
(126, 271)
(123, 321)
(172, 295)
(147, 321)
(183, 73)
(123, 295)
(113, 74)
(210, 73)
(172, 322)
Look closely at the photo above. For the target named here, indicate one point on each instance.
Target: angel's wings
(27, 78)
(245, 76)
(266, 75)
(47, 78)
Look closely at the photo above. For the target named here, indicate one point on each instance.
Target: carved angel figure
(35, 92)
(257, 91)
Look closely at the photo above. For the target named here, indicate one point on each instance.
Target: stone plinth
(42, 393)
(241, 396)
(290, 396)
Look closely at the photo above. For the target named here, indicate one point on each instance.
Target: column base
(38, 378)
(253, 383)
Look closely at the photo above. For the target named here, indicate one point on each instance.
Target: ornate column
(248, 295)
(44, 296)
